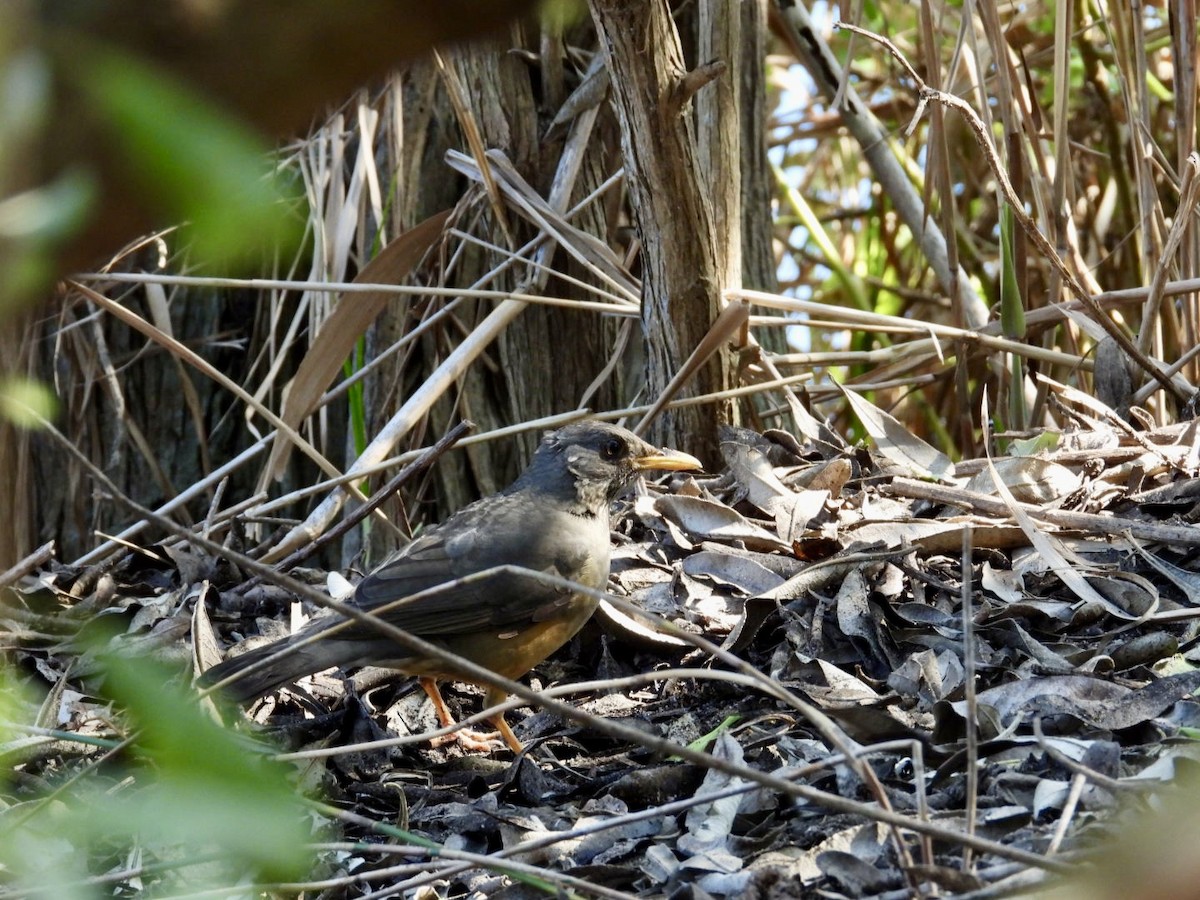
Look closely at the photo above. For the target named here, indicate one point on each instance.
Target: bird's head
(591, 462)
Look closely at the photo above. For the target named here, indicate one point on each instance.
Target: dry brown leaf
(897, 443)
(702, 520)
(349, 320)
(1031, 479)
(791, 510)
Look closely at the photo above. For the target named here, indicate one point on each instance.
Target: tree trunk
(521, 99)
(547, 357)
(683, 271)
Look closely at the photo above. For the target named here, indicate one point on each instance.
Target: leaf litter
(832, 576)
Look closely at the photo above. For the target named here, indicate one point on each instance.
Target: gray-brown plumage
(554, 518)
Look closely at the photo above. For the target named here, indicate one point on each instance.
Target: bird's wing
(516, 529)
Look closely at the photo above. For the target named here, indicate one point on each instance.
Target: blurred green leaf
(563, 13)
(210, 789)
(188, 795)
(26, 402)
(32, 224)
(202, 165)
(25, 84)
(47, 213)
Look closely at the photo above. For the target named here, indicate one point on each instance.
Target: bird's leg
(470, 740)
(491, 698)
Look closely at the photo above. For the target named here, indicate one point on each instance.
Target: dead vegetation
(927, 625)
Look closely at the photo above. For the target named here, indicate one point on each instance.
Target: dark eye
(612, 449)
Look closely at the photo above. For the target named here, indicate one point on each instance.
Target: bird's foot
(473, 741)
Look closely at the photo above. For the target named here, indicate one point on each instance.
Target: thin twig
(356, 515)
(616, 729)
(1044, 246)
(34, 560)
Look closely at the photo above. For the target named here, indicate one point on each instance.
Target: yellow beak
(672, 460)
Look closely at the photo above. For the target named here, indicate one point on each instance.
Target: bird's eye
(611, 449)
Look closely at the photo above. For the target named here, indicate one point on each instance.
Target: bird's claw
(474, 741)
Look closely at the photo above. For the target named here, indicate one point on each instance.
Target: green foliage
(196, 160)
(185, 156)
(26, 402)
(1012, 309)
(198, 807)
(563, 14)
(35, 223)
(356, 397)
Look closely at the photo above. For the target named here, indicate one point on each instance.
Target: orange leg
(471, 740)
(491, 698)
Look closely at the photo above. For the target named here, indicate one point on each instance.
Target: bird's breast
(578, 549)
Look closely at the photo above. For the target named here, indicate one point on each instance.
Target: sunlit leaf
(897, 443)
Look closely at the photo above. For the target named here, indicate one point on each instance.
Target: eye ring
(611, 449)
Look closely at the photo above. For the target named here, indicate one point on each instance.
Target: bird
(554, 518)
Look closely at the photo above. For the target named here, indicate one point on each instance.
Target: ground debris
(838, 581)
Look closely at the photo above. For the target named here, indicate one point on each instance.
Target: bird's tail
(275, 674)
